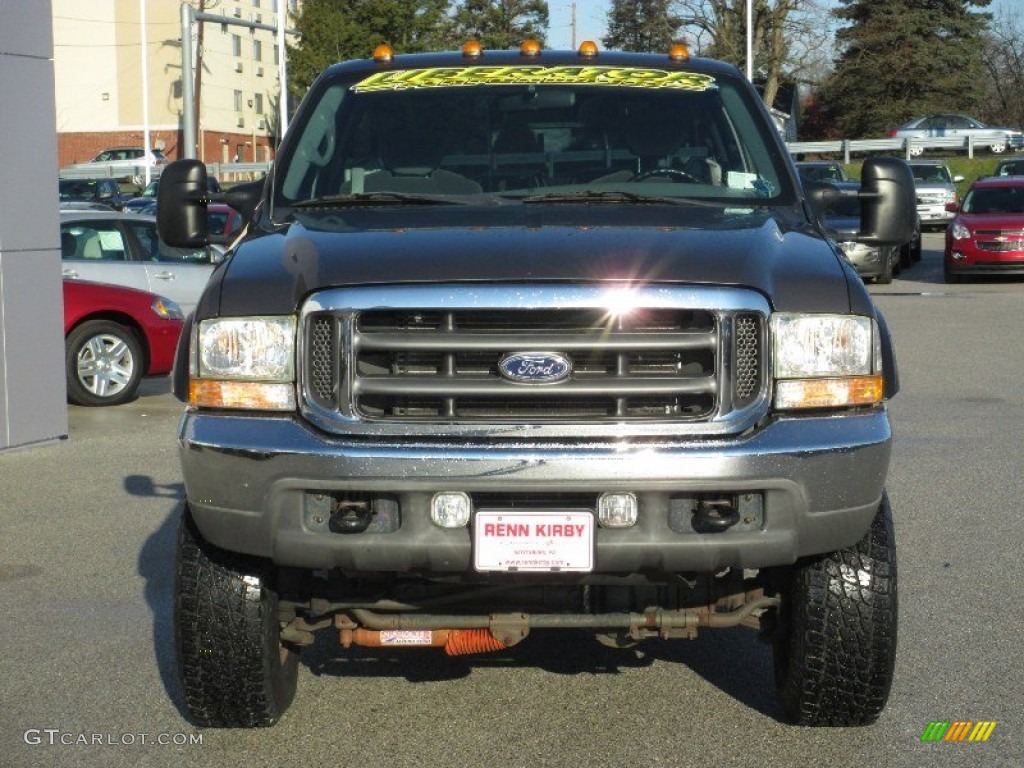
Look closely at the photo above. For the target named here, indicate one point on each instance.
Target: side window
(154, 249)
(95, 241)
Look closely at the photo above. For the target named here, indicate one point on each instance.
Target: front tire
(835, 645)
(234, 669)
(104, 363)
(886, 277)
(949, 276)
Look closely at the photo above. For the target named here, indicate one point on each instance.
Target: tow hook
(715, 515)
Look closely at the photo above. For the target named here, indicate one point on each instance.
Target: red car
(113, 336)
(987, 235)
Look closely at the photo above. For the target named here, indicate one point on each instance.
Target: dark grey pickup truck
(519, 340)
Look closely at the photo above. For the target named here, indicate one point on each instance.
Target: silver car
(997, 139)
(934, 186)
(124, 249)
(127, 163)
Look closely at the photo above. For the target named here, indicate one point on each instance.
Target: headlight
(167, 309)
(244, 362)
(960, 232)
(826, 361)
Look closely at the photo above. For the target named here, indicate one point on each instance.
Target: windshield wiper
(596, 196)
(376, 198)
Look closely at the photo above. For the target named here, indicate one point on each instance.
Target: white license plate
(560, 540)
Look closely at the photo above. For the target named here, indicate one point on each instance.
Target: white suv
(934, 187)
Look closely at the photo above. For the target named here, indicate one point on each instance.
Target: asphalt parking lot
(88, 676)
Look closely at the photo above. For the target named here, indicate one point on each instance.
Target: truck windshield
(445, 133)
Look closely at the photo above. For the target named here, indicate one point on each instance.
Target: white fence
(237, 172)
(907, 147)
(225, 172)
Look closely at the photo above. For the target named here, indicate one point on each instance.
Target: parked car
(102, 190)
(910, 251)
(987, 232)
(821, 171)
(126, 163)
(842, 219)
(113, 337)
(145, 201)
(1009, 167)
(935, 187)
(124, 249)
(74, 205)
(996, 138)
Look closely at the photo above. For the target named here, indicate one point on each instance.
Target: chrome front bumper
(248, 479)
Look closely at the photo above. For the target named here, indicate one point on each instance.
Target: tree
(502, 24)
(901, 58)
(1004, 62)
(789, 36)
(336, 30)
(641, 25)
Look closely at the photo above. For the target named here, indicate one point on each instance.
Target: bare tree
(792, 38)
(1004, 61)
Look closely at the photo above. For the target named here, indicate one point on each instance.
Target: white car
(127, 163)
(996, 138)
(124, 249)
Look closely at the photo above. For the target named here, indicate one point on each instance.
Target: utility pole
(574, 26)
(189, 17)
(197, 94)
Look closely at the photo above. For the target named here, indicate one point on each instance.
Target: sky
(592, 17)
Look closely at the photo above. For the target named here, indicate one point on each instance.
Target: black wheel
(104, 362)
(835, 644)
(906, 257)
(948, 276)
(886, 277)
(235, 671)
(675, 174)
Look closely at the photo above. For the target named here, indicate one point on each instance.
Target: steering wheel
(675, 174)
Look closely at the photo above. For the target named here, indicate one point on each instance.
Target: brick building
(98, 78)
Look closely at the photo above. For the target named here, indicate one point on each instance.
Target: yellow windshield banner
(444, 77)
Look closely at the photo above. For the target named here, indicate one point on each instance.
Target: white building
(99, 89)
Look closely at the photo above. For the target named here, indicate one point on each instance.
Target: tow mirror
(181, 205)
(888, 210)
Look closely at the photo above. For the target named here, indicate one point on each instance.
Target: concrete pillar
(33, 406)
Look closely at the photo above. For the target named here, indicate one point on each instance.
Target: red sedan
(987, 235)
(113, 336)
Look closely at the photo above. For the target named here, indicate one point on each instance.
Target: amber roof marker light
(472, 49)
(530, 47)
(679, 52)
(383, 52)
(588, 48)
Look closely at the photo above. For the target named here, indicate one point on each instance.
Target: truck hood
(772, 251)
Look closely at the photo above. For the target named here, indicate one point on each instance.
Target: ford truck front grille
(427, 363)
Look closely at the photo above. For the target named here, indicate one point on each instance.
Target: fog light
(616, 510)
(957, 256)
(451, 509)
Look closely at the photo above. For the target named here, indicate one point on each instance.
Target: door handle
(69, 273)
(164, 275)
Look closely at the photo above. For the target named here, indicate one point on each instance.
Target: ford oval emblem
(535, 367)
